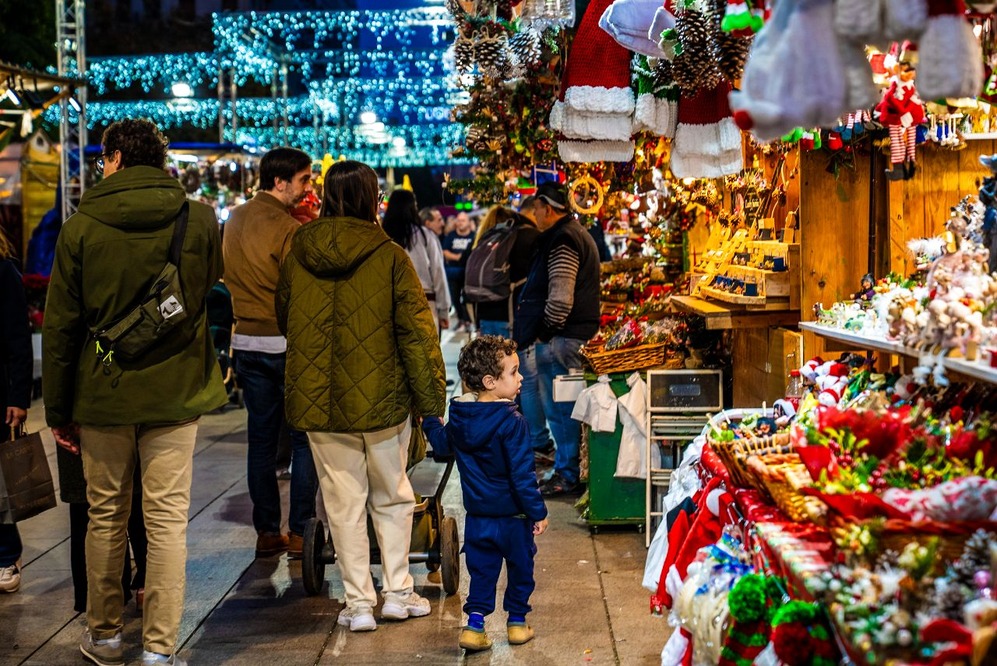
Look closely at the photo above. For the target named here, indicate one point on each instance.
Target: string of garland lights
(391, 63)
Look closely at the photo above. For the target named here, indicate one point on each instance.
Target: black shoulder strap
(179, 231)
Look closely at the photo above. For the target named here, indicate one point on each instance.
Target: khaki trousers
(361, 473)
(166, 456)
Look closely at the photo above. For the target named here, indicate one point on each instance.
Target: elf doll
(900, 110)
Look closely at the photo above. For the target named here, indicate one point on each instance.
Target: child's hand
(540, 527)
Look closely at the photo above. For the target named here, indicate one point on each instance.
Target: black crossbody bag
(157, 314)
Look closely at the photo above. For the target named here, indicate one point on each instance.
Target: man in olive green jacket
(116, 412)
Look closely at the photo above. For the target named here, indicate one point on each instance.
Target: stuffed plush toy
(901, 111)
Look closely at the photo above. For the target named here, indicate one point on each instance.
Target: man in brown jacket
(256, 239)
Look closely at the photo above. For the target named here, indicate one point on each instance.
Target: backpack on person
(487, 279)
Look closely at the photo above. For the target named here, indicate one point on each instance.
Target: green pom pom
(794, 611)
(748, 599)
(732, 22)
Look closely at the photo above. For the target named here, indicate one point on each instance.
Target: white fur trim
(674, 582)
(595, 151)
(706, 166)
(556, 118)
(857, 20)
(673, 654)
(902, 19)
(596, 99)
(952, 60)
(655, 115)
(710, 140)
(598, 126)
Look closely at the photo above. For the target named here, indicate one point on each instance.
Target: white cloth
(427, 257)
(632, 459)
(265, 344)
(629, 23)
(597, 406)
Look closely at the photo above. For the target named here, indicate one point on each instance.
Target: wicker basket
(784, 480)
(895, 535)
(734, 455)
(623, 360)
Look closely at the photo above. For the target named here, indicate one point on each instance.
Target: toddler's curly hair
(483, 356)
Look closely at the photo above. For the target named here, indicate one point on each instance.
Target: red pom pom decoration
(792, 643)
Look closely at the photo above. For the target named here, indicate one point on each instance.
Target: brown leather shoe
(295, 544)
(269, 544)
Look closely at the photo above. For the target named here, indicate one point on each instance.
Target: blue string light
(390, 62)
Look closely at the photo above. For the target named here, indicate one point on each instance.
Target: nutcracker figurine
(900, 110)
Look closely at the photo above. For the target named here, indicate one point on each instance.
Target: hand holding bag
(26, 487)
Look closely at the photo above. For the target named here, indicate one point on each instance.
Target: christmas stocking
(953, 63)
(707, 142)
(594, 112)
(657, 108)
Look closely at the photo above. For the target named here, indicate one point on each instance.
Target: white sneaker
(358, 618)
(10, 577)
(403, 606)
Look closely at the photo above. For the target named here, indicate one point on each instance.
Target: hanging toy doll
(901, 112)
(867, 290)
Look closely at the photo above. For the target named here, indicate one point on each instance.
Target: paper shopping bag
(26, 487)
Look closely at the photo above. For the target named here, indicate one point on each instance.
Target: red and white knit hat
(952, 62)
(594, 111)
(707, 142)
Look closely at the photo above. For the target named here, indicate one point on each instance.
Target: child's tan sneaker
(475, 641)
(520, 633)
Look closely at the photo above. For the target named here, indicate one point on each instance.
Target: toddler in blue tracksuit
(505, 511)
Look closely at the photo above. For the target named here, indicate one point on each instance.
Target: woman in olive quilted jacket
(363, 355)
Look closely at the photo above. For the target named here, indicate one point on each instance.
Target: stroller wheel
(312, 560)
(450, 555)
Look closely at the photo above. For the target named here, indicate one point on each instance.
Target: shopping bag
(417, 443)
(26, 487)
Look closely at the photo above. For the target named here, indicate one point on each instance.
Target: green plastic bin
(612, 501)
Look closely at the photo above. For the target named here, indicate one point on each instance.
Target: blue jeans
(10, 545)
(261, 377)
(487, 543)
(556, 358)
(529, 399)
(500, 328)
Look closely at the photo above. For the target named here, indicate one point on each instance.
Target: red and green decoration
(800, 636)
(751, 607)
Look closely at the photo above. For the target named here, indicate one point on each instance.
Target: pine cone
(525, 48)
(696, 67)
(733, 53)
(463, 52)
(492, 56)
(950, 601)
(975, 557)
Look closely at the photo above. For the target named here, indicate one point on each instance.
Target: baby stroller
(435, 540)
(218, 306)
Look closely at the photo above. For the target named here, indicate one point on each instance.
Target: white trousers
(361, 473)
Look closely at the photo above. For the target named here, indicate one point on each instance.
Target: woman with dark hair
(404, 226)
(16, 362)
(363, 356)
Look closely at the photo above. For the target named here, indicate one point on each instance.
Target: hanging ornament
(525, 48)
(541, 14)
(463, 51)
(695, 67)
(492, 55)
(586, 195)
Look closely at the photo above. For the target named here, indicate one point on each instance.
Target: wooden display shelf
(720, 316)
(847, 340)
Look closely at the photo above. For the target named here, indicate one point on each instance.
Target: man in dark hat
(557, 313)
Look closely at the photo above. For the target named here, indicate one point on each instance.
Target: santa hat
(953, 66)
(594, 111)
(657, 109)
(809, 369)
(629, 23)
(707, 142)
